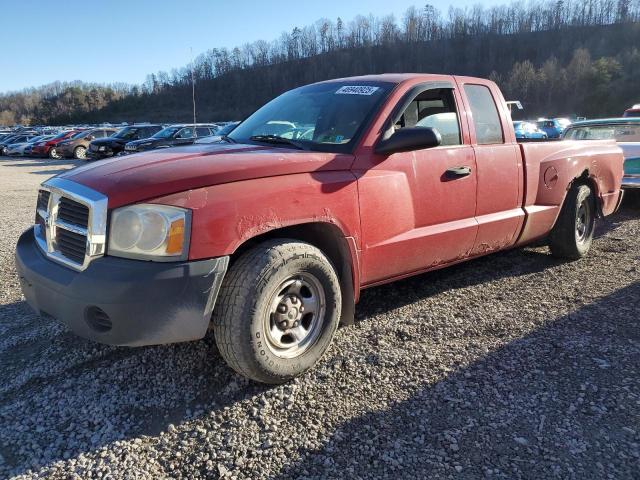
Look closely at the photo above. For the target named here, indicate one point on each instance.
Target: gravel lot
(512, 366)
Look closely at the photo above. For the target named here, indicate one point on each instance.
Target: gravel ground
(512, 366)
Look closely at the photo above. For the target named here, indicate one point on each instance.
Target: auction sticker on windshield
(356, 90)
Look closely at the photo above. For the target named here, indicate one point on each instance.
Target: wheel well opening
(585, 179)
(331, 241)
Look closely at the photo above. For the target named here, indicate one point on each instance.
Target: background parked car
(626, 131)
(113, 145)
(528, 130)
(6, 135)
(27, 152)
(633, 111)
(49, 148)
(18, 148)
(171, 136)
(20, 138)
(554, 127)
(219, 134)
(76, 146)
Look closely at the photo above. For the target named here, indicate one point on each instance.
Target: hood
(143, 176)
(149, 140)
(109, 141)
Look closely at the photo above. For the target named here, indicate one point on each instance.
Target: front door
(418, 207)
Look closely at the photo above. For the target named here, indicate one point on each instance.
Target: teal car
(626, 131)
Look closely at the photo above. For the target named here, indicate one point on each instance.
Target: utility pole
(193, 92)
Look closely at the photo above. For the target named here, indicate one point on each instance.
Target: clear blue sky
(122, 41)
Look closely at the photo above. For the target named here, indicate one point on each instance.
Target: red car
(326, 190)
(633, 111)
(48, 148)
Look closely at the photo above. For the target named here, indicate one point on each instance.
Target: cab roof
(396, 78)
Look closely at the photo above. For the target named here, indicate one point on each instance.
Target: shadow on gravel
(49, 173)
(493, 267)
(81, 396)
(37, 163)
(67, 396)
(629, 210)
(538, 407)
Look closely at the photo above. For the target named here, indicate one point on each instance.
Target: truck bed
(549, 166)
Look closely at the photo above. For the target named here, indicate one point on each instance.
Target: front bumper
(119, 301)
(99, 154)
(631, 181)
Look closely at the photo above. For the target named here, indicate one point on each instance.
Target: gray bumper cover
(145, 303)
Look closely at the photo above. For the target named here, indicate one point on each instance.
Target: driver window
(185, 133)
(434, 109)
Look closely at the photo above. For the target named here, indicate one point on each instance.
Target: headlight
(150, 232)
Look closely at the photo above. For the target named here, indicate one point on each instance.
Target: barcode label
(356, 90)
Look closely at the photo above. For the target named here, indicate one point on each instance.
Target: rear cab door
(498, 158)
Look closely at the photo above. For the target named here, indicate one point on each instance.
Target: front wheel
(277, 311)
(80, 153)
(53, 154)
(572, 235)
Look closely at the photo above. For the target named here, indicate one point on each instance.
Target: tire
(53, 154)
(80, 153)
(572, 235)
(259, 321)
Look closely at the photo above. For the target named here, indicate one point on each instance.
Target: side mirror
(406, 139)
(90, 137)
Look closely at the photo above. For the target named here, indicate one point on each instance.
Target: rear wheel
(80, 153)
(572, 235)
(53, 154)
(277, 311)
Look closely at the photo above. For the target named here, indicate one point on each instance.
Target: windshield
(127, 132)
(325, 117)
(81, 133)
(226, 129)
(621, 133)
(166, 132)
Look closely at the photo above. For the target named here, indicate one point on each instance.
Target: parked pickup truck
(270, 236)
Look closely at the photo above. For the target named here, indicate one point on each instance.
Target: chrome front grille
(72, 245)
(71, 223)
(73, 212)
(43, 200)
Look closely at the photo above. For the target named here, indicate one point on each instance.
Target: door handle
(458, 172)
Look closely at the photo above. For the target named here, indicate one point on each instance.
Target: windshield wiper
(227, 138)
(276, 140)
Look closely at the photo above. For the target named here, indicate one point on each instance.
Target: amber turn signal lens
(175, 239)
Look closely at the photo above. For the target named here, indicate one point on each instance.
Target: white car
(17, 149)
(219, 134)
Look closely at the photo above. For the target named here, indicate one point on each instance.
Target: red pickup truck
(270, 235)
